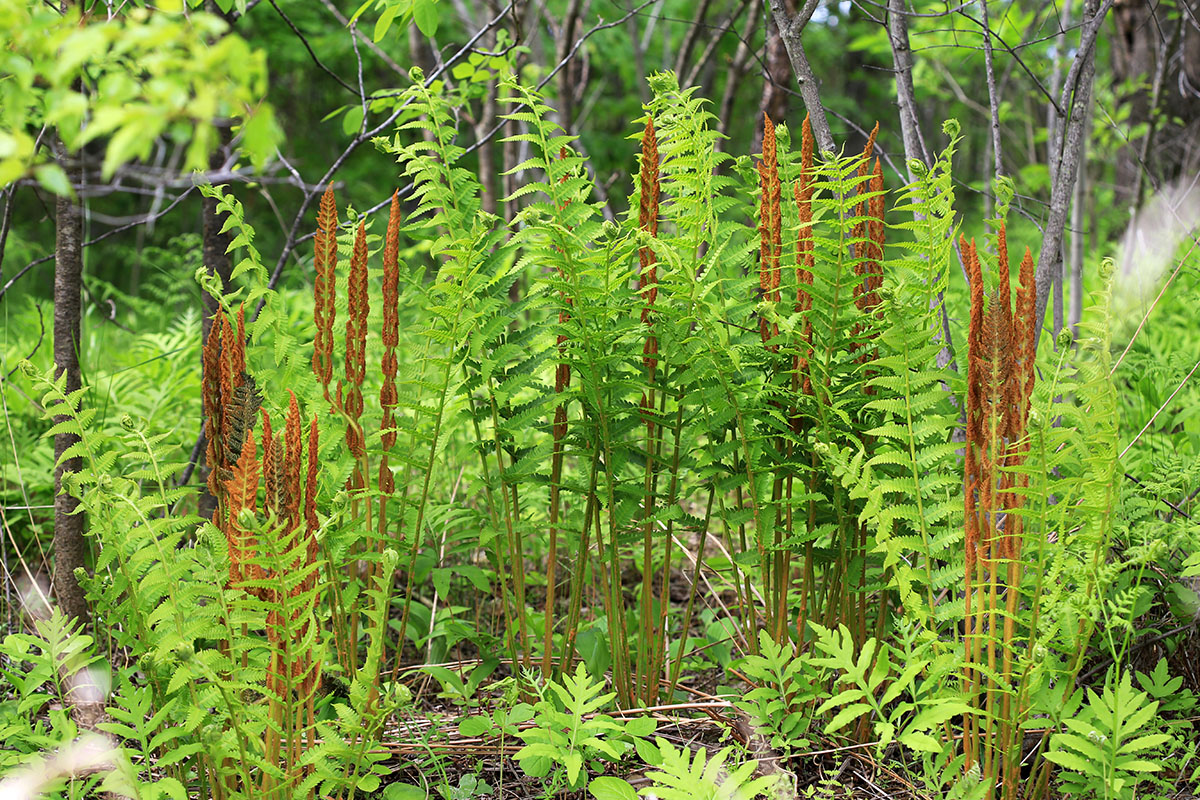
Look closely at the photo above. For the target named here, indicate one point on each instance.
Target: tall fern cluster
(735, 389)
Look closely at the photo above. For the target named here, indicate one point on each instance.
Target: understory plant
(564, 443)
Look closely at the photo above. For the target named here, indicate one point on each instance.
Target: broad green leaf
(610, 788)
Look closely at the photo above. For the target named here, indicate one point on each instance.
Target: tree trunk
(1066, 151)
(790, 28)
(70, 549)
(774, 102)
(216, 262)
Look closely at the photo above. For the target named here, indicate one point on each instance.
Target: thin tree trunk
(914, 145)
(1078, 207)
(774, 101)
(568, 76)
(902, 59)
(70, 549)
(216, 262)
(1077, 92)
(790, 28)
(689, 41)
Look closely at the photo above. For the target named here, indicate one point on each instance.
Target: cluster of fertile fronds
(324, 289)
(1001, 343)
(770, 227)
(288, 578)
(230, 404)
(269, 556)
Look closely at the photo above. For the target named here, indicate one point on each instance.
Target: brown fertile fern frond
(388, 396)
(241, 493)
(648, 221)
(240, 411)
(974, 422)
(270, 485)
(312, 674)
(325, 288)
(805, 253)
(356, 347)
(289, 489)
(770, 224)
(859, 233)
(211, 404)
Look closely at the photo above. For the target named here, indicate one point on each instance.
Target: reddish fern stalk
(648, 187)
(325, 288)
(241, 494)
(289, 489)
(971, 476)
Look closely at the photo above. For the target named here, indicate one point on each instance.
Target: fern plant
(1105, 748)
(569, 737)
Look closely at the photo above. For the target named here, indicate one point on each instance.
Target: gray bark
(790, 29)
(214, 245)
(902, 58)
(1077, 92)
(774, 100)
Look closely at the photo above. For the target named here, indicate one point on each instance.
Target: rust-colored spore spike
(770, 223)
(356, 347)
(860, 231)
(241, 492)
(211, 401)
(271, 493)
(290, 490)
(805, 254)
(974, 426)
(868, 150)
(1027, 308)
(325, 288)
(388, 397)
(648, 185)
